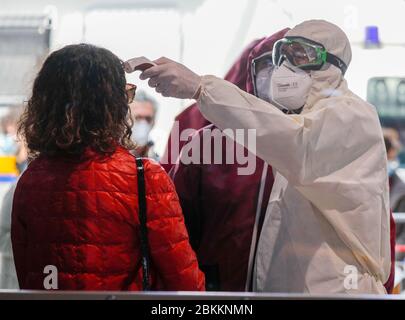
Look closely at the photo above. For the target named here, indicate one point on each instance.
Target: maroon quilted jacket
(81, 216)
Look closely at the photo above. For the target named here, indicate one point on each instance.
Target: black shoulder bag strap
(145, 262)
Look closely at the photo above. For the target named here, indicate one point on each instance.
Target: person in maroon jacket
(75, 208)
(224, 209)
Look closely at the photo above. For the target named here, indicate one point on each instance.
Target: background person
(10, 145)
(143, 110)
(13, 160)
(397, 185)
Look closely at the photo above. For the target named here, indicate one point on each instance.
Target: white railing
(112, 295)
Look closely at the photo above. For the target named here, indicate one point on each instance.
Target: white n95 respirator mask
(289, 87)
(140, 132)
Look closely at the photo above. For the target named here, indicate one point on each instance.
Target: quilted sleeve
(170, 250)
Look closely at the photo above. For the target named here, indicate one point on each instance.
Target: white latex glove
(172, 79)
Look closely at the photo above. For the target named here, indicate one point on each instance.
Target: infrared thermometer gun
(138, 64)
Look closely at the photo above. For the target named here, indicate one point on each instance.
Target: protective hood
(327, 80)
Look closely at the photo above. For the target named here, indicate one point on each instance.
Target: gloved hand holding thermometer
(138, 64)
(168, 77)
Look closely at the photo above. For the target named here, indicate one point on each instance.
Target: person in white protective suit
(326, 228)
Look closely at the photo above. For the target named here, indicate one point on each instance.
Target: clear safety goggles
(304, 54)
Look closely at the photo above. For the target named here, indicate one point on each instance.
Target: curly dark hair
(78, 101)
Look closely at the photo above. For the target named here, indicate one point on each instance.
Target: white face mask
(289, 87)
(140, 132)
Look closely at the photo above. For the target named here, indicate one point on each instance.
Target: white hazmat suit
(327, 224)
(326, 228)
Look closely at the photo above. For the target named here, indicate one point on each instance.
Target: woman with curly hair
(76, 206)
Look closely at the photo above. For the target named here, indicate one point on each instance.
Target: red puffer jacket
(81, 216)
